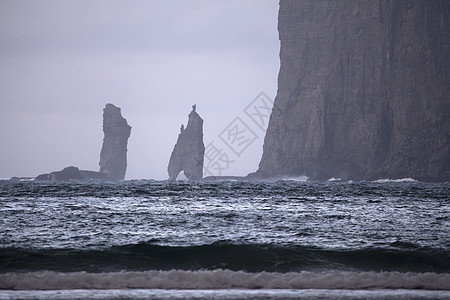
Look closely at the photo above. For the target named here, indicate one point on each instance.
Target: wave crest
(385, 180)
(224, 279)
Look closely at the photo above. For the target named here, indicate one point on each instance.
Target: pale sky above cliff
(62, 61)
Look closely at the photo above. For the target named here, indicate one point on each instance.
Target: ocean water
(284, 239)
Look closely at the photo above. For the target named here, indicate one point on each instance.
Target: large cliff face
(113, 156)
(188, 153)
(363, 90)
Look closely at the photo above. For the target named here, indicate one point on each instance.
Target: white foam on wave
(226, 294)
(223, 279)
(334, 179)
(384, 180)
(17, 179)
(301, 178)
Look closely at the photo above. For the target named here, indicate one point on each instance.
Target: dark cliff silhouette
(363, 91)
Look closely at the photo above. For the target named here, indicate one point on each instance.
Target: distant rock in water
(363, 91)
(113, 156)
(65, 174)
(189, 150)
(71, 173)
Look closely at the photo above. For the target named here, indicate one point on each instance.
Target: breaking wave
(301, 178)
(403, 257)
(223, 279)
(334, 179)
(385, 180)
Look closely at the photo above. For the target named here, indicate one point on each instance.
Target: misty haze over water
(62, 61)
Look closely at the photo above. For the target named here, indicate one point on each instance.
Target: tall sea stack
(188, 153)
(363, 91)
(113, 156)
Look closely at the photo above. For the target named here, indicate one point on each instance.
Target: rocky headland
(363, 91)
(188, 153)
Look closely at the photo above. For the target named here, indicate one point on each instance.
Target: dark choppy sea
(283, 239)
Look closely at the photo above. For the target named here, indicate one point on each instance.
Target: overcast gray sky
(62, 61)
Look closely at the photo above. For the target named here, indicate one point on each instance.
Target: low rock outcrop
(68, 173)
(113, 156)
(188, 153)
(71, 173)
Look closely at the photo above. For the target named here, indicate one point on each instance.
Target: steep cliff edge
(188, 153)
(363, 91)
(113, 156)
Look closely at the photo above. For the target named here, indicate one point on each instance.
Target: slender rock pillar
(113, 157)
